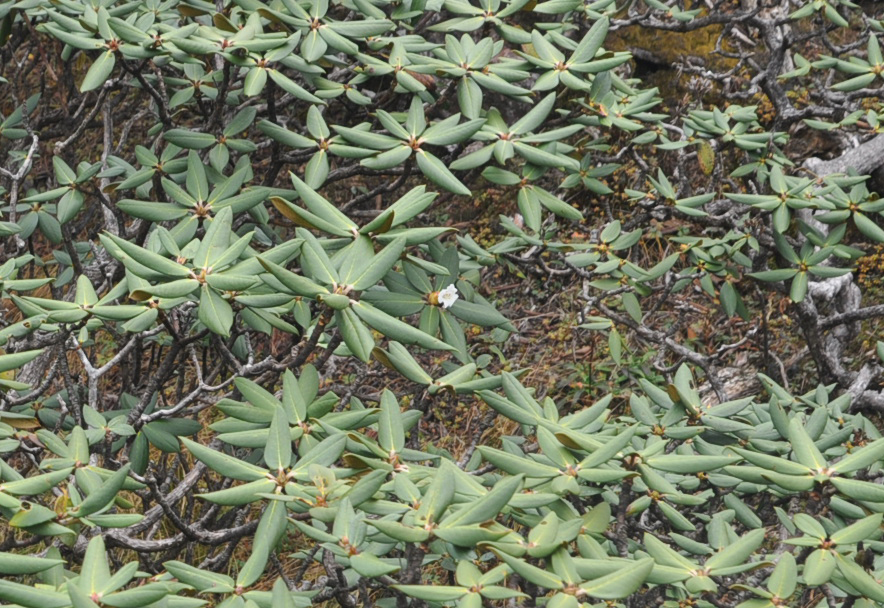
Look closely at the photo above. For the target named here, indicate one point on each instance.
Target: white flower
(448, 296)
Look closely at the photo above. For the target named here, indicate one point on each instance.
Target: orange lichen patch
(672, 47)
(870, 268)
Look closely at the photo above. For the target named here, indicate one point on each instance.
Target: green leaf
(772, 463)
(32, 516)
(321, 207)
(557, 205)
(479, 314)
(95, 571)
(29, 597)
(240, 495)
(532, 574)
(664, 555)
(396, 329)
(398, 531)
(439, 174)
(818, 567)
(689, 464)
(284, 136)
(201, 580)
(799, 287)
(313, 46)
(298, 284)
(216, 239)
(271, 527)
(804, 448)
(142, 256)
(515, 465)
(433, 593)
(99, 71)
(77, 41)
(772, 276)
(607, 451)
(591, 42)
(859, 579)
(190, 140)
(215, 312)
(737, 552)
(783, 580)
(280, 596)
(535, 117)
(468, 536)
(622, 583)
(875, 57)
(437, 497)
(855, 83)
(16, 360)
(488, 506)
(676, 519)
(868, 227)
(859, 531)
(370, 566)
(380, 265)
(368, 139)
(401, 360)
(356, 335)
(14, 564)
(469, 97)
(790, 482)
(326, 452)
(290, 86)
(391, 433)
(254, 81)
(315, 260)
(278, 453)
(542, 541)
(351, 260)
(196, 181)
(448, 131)
(137, 597)
(80, 599)
(861, 458)
(104, 495)
(154, 212)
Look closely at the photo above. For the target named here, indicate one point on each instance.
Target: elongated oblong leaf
(439, 174)
(223, 463)
(278, 452)
(621, 583)
(12, 564)
(396, 329)
(102, 497)
(99, 72)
